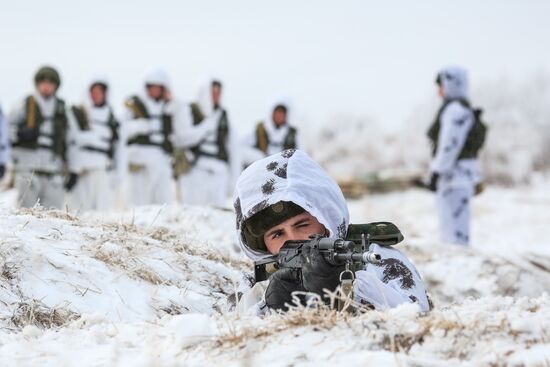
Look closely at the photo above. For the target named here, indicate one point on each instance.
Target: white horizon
(332, 59)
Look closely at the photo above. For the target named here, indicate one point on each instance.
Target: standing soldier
(95, 149)
(147, 131)
(4, 145)
(40, 137)
(272, 135)
(457, 135)
(211, 150)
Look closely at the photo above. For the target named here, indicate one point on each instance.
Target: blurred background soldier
(95, 149)
(4, 144)
(147, 130)
(457, 135)
(212, 150)
(272, 135)
(40, 135)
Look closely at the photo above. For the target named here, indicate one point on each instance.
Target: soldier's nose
(295, 236)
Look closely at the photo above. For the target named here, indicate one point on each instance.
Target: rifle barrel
(364, 257)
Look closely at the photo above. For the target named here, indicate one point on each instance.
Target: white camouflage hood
(96, 79)
(454, 81)
(204, 94)
(279, 101)
(289, 176)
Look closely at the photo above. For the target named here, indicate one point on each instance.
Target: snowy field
(154, 287)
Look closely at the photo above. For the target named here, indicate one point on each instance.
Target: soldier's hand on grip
(318, 274)
(281, 285)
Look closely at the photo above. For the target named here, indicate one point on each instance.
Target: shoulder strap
(60, 125)
(262, 140)
(81, 117)
(113, 124)
(197, 114)
(223, 132)
(167, 129)
(136, 105)
(290, 140)
(32, 112)
(433, 131)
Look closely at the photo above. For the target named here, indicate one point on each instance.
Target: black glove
(433, 182)
(2, 170)
(281, 284)
(25, 133)
(71, 181)
(318, 274)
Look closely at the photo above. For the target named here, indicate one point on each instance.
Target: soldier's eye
(276, 234)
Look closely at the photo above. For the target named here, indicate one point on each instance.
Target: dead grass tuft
(320, 317)
(9, 270)
(173, 309)
(36, 313)
(163, 234)
(149, 276)
(41, 212)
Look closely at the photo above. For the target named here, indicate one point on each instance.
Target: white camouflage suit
(457, 177)
(39, 173)
(276, 136)
(293, 176)
(150, 178)
(98, 174)
(210, 180)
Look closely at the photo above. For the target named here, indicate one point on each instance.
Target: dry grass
(173, 309)
(9, 270)
(150, 276)
(375, 330)
(35, 313)
(316, 315)
(41, 212)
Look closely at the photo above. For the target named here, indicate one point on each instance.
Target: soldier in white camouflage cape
(457, 135)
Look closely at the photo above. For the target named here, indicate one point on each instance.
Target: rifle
(336, 251)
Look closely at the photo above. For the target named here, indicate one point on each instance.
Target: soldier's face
(97, 94)
(297, 228)
(156, 92)
(440, 91)
(279, 116)
(216, 95)
(46, 88)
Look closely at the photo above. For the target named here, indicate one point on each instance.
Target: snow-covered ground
(153, 287)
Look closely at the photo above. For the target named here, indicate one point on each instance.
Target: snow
(150, 287)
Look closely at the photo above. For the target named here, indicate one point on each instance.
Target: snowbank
(154, 287)
(57, 262)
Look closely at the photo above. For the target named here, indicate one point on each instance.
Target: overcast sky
(330, 57)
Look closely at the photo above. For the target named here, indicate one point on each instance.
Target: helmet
(47, 73)
(157, 76)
